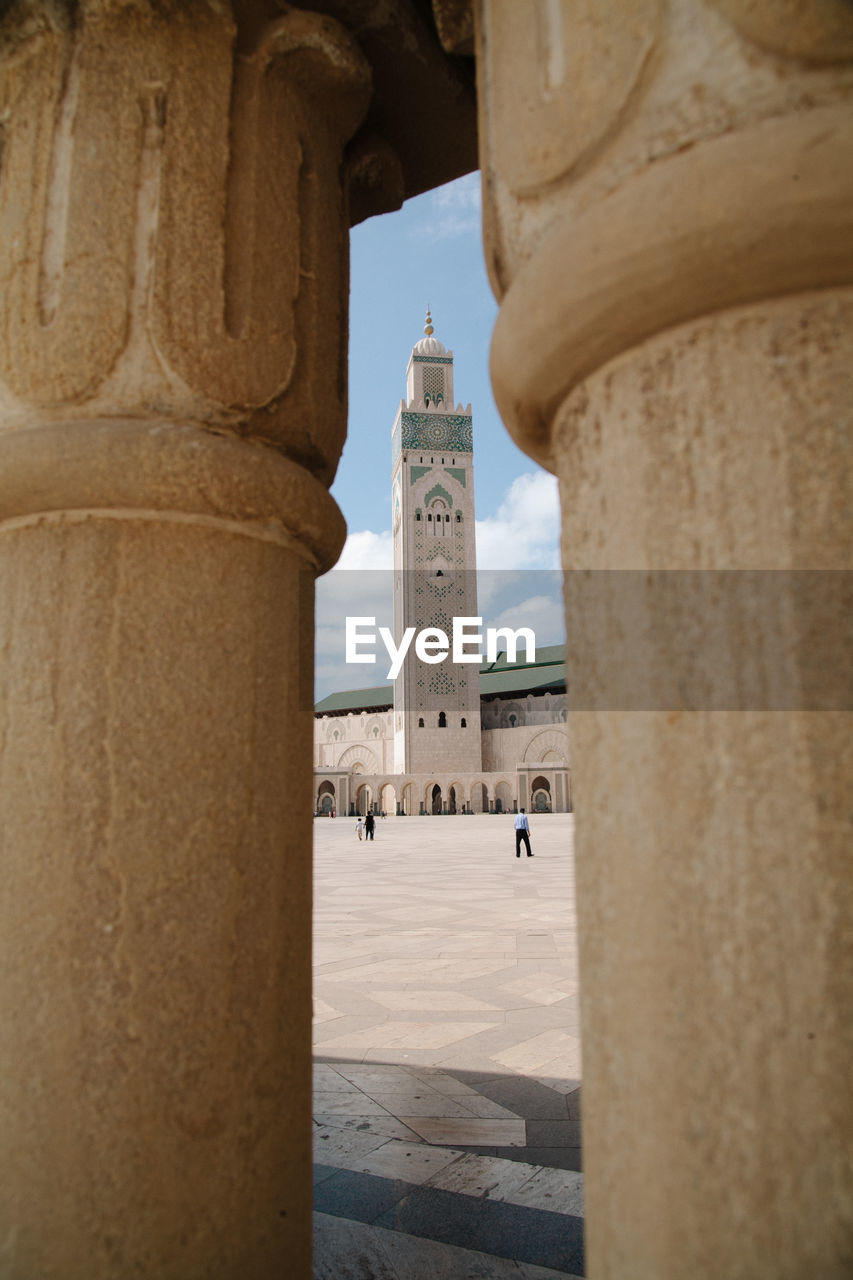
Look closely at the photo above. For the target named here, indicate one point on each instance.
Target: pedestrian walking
(369, 825)
(522, 832)
(359, 826)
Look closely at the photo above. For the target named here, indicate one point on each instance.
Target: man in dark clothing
(522, 832)
(369, 824)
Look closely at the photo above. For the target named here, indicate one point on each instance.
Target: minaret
(436, 706)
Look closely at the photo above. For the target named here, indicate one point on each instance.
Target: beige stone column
(668, 225)
(173, 263)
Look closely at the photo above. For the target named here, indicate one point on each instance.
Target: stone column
(173, 259)
(668, 195)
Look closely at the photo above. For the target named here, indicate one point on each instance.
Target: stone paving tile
(415, 1258)
(573, 1102)
(382, 1079)
(553, 1133)
(425, 1102)
(386, 1126)
(558, 1190)
(543, 979)
(562, 1074)
(536, 1052)
(528, 1098)
(356, 1002)
(548, 1157)
(527, 1271)
(446, 1001)
(344, 1148)
(468, 1132)
(404, 1035)
(324, 1012)
(342, 1104)
(348, 1194)
(331, 1081)
(346, 1250)
(505, 1230)
(531, 1019)
(440, 969)
(442, 1083)
(487, 1109)
(410, 1162)
(345, 1030)
(322, 1172)
(484, 1176)
(328, 969)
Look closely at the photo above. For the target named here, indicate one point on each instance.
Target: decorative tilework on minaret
(436, 708)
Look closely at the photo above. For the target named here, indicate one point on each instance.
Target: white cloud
(525, 532)
(367, 550)
(454, 210)
(543, 614)
(343, 593)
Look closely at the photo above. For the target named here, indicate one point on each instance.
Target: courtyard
(446, 1051)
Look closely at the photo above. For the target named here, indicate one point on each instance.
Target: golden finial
(428, 329)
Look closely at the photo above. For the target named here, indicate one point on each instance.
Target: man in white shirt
(522, 832)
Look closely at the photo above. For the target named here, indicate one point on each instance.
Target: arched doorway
(408, 798)
(364, 799)
(479, 798)
(325, 798)
(388, 798)
(540, 795)
(503, 798)
(435, 799)
(455, 803)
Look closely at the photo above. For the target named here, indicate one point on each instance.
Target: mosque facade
(446, 737)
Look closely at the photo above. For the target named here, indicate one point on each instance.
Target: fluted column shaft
(668, 195)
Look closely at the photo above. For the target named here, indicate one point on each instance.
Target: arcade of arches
(667, 194)
(522, 739)
(344, 794)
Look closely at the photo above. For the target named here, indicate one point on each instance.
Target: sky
(429, 253)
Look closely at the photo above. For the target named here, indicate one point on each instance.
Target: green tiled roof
(378, 699)
(497, 679)
(500, 679)
(532, 679)
(548, 655)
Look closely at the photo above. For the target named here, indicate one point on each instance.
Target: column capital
(648, 167)
(680, 241)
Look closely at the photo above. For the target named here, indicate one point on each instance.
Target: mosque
(446, 738)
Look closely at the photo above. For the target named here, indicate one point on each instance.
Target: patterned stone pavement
(447, 1051)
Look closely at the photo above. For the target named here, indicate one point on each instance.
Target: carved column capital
(648, 165)
(173, 233)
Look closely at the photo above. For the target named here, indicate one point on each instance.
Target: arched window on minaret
(442, 720)
(439, 515)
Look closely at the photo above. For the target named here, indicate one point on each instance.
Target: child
(359, 827)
